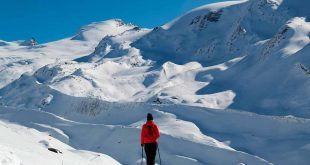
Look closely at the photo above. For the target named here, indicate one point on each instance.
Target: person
(149, 138)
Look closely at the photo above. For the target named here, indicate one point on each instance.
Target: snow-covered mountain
(21, 56)
(244, 55)
(271, 37)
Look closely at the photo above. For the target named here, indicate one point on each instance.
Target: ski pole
(142, 155)
(159, 154)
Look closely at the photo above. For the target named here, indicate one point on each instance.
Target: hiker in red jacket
(149, 138)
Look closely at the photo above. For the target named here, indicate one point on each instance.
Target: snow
(111, 138)
(227, 83)
(16, 60)
(116, 128)
(22, 145)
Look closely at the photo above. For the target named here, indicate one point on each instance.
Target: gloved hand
(142, 145)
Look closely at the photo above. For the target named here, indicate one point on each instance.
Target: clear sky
(49, 20)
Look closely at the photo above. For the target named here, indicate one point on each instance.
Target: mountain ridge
(143, 55)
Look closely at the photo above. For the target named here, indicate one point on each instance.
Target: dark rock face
(203, 20)
(31, 42)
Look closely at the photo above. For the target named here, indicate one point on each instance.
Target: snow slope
(114, 128)
(191, 59)
(120, 138)
(278, 71)
(22, 145)
(16, 59)
(269, 34)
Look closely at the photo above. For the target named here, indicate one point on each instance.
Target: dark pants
(150, 151)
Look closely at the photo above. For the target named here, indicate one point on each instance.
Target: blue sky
(49, 20)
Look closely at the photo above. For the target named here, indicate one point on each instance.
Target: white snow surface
(16, 60)
(227, 83)
(22, 145)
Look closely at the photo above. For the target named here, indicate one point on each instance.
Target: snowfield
(227, 83)
(22, 145)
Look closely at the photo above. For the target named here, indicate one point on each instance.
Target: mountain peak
(97, 30)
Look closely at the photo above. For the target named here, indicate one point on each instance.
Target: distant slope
(247, 55)
(16, 60)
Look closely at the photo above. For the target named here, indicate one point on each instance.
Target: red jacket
(149, 133)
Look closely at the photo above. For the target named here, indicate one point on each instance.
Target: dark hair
(149, 116)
